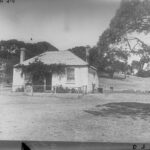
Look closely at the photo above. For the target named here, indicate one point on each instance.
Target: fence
(5, 88)
(107, 87)
(31, 89)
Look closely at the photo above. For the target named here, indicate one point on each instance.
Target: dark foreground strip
(24, 147)
(50, 145)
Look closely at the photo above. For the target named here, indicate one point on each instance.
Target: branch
(127, 40)
(135, 38)
(135, 46)
(138, 41)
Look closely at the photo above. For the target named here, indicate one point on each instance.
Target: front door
(49, 82)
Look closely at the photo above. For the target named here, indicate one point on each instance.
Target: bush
(38, 88)
(73, 90)
(20, 89)
(143, 74)
(61, 89)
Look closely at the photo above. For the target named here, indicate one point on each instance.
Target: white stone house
(77, 71)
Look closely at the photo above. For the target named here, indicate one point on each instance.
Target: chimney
(22, 54)
(87, 53)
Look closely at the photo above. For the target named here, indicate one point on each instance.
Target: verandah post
(44, 84)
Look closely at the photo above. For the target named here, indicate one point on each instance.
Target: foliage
(110, 59)
(144, 74)
(38, 88)
(10, 52)
(38, 48)
(80, 51)
(133, 16)
(12, 47)
(93, 57)
(61, 89)
(7, 71)
(119, 66)
(20, 89)
(38, 70)
(136, 65)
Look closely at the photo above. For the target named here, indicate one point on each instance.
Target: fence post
(55, 89)
(32, 90)
(44, 84)
(24, 88)
(78, 92)
(83, 90)
(86, 89)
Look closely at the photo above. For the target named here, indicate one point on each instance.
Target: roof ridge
(64, 56)
(71, 53)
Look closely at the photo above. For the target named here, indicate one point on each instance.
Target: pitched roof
(58, 57)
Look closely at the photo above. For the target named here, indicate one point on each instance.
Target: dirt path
(55, 119)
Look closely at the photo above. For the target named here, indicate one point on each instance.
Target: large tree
(132, 17)
(10, 53)
(80, 51)
(12, 47)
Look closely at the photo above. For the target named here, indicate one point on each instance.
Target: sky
(63, 23)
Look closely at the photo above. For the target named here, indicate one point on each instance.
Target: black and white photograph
(75, 74)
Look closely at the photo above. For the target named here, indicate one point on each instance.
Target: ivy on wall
(41, 70)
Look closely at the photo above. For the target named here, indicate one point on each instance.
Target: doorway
(49, 81)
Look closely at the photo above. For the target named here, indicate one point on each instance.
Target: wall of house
(84, 76)
(81, 78)
(18, 80)
(93, 81)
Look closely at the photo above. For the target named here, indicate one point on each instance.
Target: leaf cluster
(38, 68)
(80, 51)
(133, 16)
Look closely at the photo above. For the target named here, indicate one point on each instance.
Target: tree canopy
(10, 52)
(133, 16)
(12, 47)
(80, 51)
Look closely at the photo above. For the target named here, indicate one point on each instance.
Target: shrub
(38, 88)
(61, 89)
(143, 73)
(73, 90)
(20, 89)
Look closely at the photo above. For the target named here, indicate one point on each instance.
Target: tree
(10, 52)
(80, 51)
(12, 47)
(136, 65)
(38, 48)
(93, 58)
(133, 16)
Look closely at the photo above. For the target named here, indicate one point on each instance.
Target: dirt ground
(96, 117)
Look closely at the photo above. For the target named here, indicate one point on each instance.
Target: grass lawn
(97, 117)
(130, 83)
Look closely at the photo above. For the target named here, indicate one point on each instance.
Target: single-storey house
(78, 73)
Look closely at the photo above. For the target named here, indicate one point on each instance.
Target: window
(70, 74)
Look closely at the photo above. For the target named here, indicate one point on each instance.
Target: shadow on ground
(119, 110)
